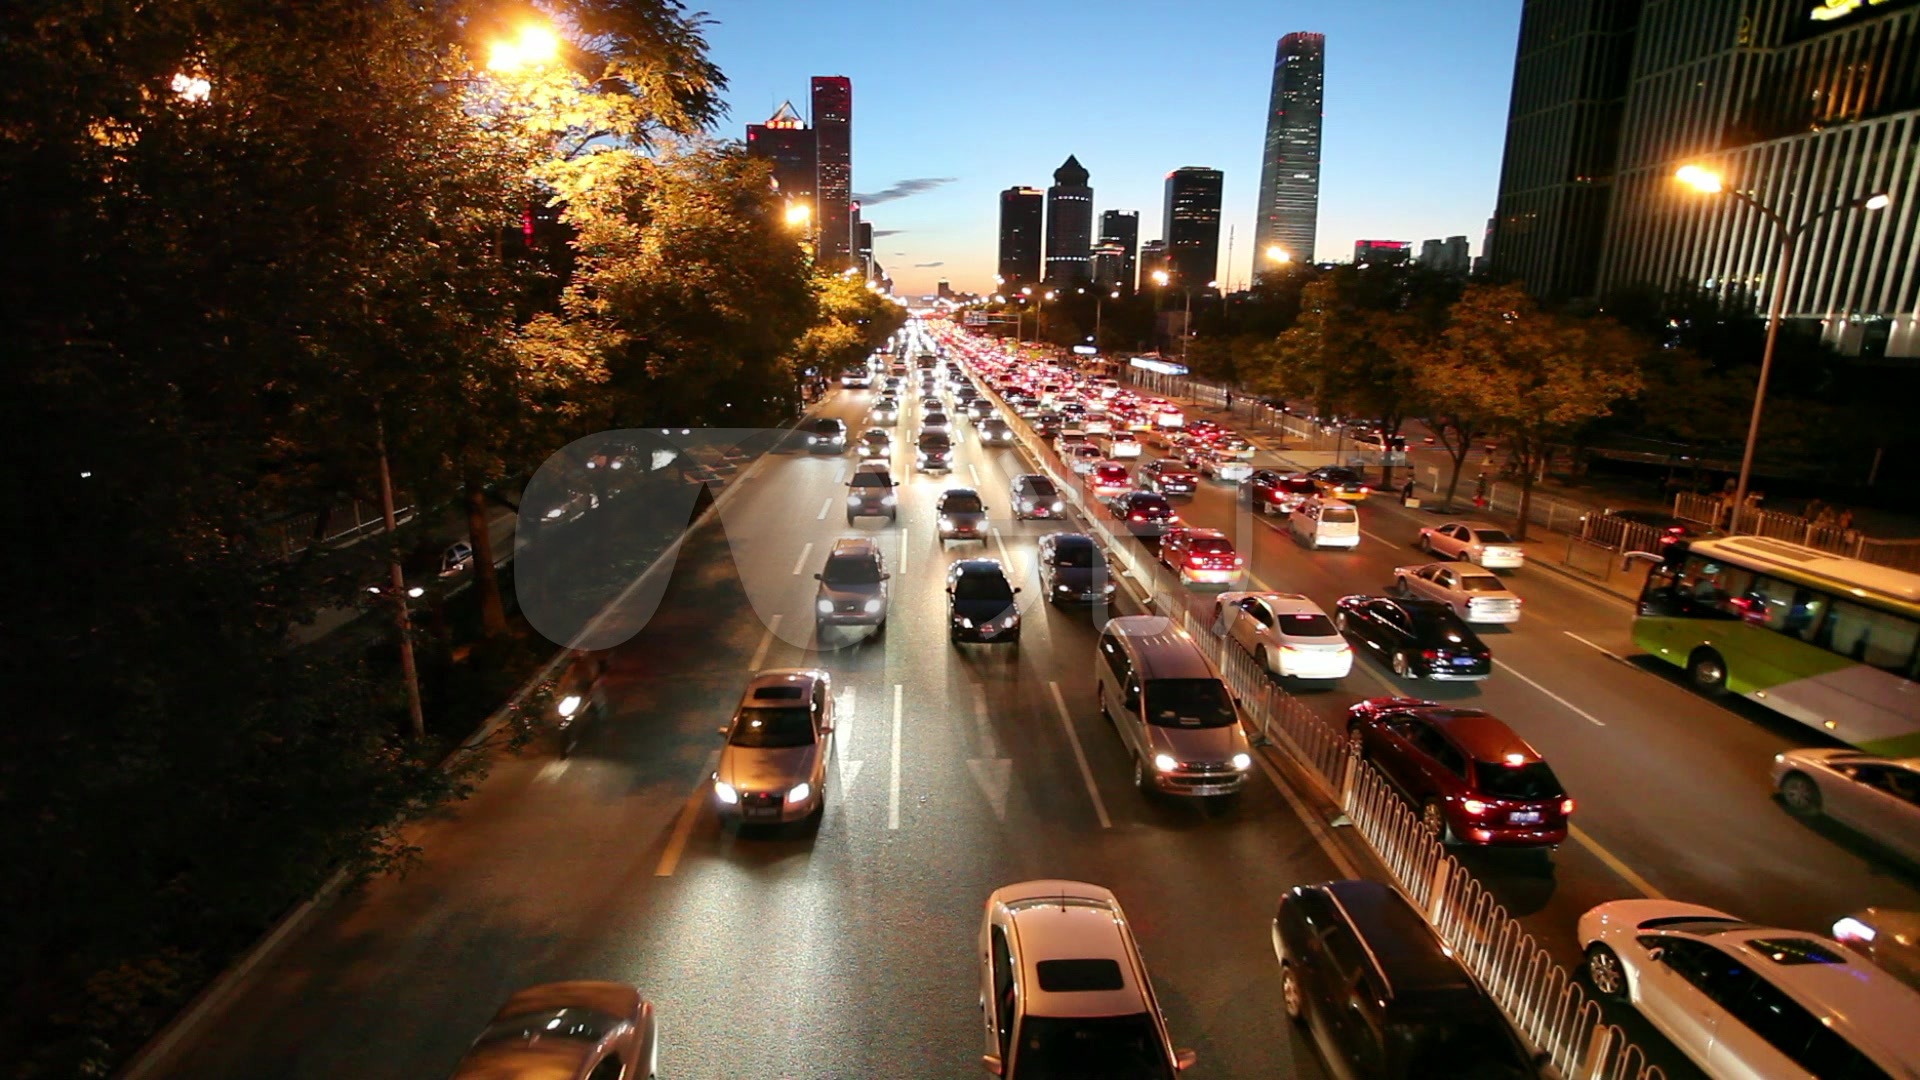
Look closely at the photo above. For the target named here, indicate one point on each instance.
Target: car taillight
(1566, 806)
(1196, 561)
(1473, 806)
(1139, 517)
(1430, 654)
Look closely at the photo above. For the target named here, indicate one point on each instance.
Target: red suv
(1473, 780)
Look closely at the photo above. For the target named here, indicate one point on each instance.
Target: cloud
(899, 254)
(902, 190)
(878, 233)
(923, 266)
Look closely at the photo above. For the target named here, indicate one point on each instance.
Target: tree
(1532, 376)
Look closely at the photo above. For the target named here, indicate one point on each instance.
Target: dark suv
(1169, 476)
(1472, 779)
(826, 436)
(871, 494)
(1381, 996)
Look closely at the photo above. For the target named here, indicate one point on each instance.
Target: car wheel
(1291, 997)
(1424, 543)
(1142, 779)
(1708, 671)
(1605, 972)
(1401, 667)
(1434, 820)
(1357, 744)
(1801, 794)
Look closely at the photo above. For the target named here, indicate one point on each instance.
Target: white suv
(1063, 990)
(1752, 1001)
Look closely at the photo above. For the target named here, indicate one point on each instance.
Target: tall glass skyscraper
(1121, 229)
(833, 136)
(1020, 214)
(787, 142)
(1289, 210)
(1192, 225)
(1069, 224)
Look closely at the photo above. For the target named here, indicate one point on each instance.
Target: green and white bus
(1828, 641)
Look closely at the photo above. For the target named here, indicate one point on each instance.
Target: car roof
(978, 566)
(1164, 651)
(855, 546)
(612, 999)
(1203, 534)
(1069, 539)
(1481, 734)
(1073, 924)
(952, 491)
(1872, 1007)
(1284, 603)
(780, 679)
(1403, 947)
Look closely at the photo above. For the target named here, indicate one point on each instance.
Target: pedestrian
(1480, 488)
(1407, 491)
(1816, 510)
(1845, 521)
(1825, 517)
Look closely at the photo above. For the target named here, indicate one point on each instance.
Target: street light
(1706, 181)
(798, 214)
(1278, 254)
(536, 45)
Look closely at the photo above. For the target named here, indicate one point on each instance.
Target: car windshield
(981, 586)
(1078, 556)
(577, 1025)
(1481, 583)
(934, 441)
(1532, 780)
(851, 570)
(1470, 1047)
(1040, 489)
(1339, 515)
(871, 480)
(1189, 703)
(1307, 624)
(1091, 1048)
(763, 728)
(1492, 536)
(961, 502)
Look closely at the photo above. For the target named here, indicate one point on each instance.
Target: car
(1034, 496)
(884, 410)
(933, 452)
(1746, 1000)
(1381, 996)
(1169, 476)
(1889, 938)
(1285, 633)
(1064, 990)
(980, 604)
(962, 515)
(1270, 491)
(1097, 423)
(994, 431)
(1073, 569)
(579, 1030)
(875, 445)
(935, 421)
(1336, 482)
(1071, 431)
(826, 435)
(1144, 513)
(1168, 415)
(1418, 639)
(1478, 596)
(1025, 405)
(1234, 446)
(1472, 780)
(1120, 444)
(870, 493)
(1064, 444)
(1107, 479)
(978, 409)
(1200, 556)
(1321, 522)
(853, 586)
(1173, 713)
(1875, 796)
(773, 768)
(857, 377)
(1473, 541)
(1204, 430)
(1218, 466)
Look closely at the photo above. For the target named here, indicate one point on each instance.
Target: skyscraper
(1020, 215)
(1122, 227)
(833, 131)
(1153, 258)
(1289, 210)
(1447, 256)
(1381, 252)
(787, 142)
(864, 249)
(1192, 226)
(1069, 224)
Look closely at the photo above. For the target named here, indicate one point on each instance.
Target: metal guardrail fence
(1717, 512)
(1545, 1002)
(291, 536)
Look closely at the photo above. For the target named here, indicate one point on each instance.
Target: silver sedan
(1473, 541)
(1477, 596)
(1877, 796)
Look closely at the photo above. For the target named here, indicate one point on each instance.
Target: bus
(1826, 640)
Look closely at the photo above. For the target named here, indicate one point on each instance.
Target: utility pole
(402, 622)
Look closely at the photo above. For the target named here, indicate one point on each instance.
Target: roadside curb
(165, 1044)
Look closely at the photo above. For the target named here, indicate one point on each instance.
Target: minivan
(1380, 996)
(1175, 715)
(1319, 523)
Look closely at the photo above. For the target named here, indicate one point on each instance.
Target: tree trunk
(493, 613)
(1453, 483)
(1528, 462)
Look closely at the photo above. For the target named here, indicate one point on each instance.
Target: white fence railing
(1718, 512)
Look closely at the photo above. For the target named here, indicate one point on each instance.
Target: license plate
(1463, 661)
(762, 812)
(1524, 817)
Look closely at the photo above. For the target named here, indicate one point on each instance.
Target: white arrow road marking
(995, 777)
(893, 779)
(802, 561)
(766, 641)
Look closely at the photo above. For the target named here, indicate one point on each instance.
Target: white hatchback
(1286, 633)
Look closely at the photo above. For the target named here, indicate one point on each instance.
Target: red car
(1109, 478)
(1472, 779)
(1202, 556)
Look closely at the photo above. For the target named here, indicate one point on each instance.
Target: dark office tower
(1020, 213)
(1153, 259)
(787, 142)
(865, 250)
(1289, 210)
(833, 131)
(1069, 224)
(1569, 86)
(1122, 227)
(1109, 263)
(1193, 226)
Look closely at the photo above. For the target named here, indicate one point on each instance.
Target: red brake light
(1430, 654)
(1196, 561)
(1566, 806)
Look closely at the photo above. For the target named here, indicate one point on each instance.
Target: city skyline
(1419, 84)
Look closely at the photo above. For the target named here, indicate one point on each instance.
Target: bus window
(1781, 606)
(1878, 638)
(1716, 589)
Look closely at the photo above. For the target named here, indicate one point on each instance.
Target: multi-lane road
(847, 950)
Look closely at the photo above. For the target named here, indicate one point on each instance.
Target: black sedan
(1419, 639)
(1144, 513)
(1169, 476)
(1073, 569)
(980, 604)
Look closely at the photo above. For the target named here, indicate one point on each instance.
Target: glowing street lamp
(1705, 181)
(798, 214)
(535, 46)
(1278, 254)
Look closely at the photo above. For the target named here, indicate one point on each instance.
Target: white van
(1319, 523)
(1179, 722)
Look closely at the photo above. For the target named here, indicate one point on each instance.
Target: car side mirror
(992, 1064)
(1016, 588)
(817, 577)
(1184, 1059)
(886, 577)
(1656, 953)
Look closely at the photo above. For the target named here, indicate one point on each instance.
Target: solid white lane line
(840, 473)
(975, 473)
(1321, 834)
(1002, 545)
(824, 507)
(1601, 649)
(1570, 706)
(766, 641)
(689, 813)
(989, 746)
(900, 564)
(1614, 864)
(802, 561)
(893, 764)
(1079, 756)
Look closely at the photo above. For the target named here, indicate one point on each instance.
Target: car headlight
(825, 607)
(1059, 506)
(965, 622)
(569, 705)
(1061, 588)
(1243, 762)
(873, 607)
(725, 791)
(1165, 762)
(946, 523)
(1109, 586)
(811, 439)
(799, 792)
(853, 500)
(887, 500)
(1011, 621)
